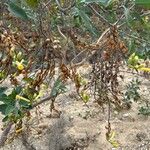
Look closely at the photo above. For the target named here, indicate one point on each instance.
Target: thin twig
(5, 133)
(99, 15)
(123, 15)
(46, 4)
(42, 101)
(138, 38)
(60, 32)
(109, 116)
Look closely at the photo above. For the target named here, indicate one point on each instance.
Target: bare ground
(83, 128)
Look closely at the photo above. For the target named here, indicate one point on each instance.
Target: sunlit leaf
(145, 3)
(111, 139)
(133, 60)
(18, 97)
(32, 3)
(144, 69)
(85, 96)
(9, 109)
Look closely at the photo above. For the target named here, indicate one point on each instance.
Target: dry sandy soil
(83, 128)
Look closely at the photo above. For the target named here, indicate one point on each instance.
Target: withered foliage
(39, 55)
(107, 56)
(42, 55)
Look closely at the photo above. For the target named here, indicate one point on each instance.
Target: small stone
(43, 126)
(126, 115)
(98, 131)
(116, 112)
(84, 116)
(71, 118)
(88, 111)
(39, 131)
(141, 136)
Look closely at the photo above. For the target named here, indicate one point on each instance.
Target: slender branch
(138, 38)
(60, 32)
(123, 15)
(5, 133)
(99, 15)
(146, 13)
(109, 116)
(42, 101)
(46, 4)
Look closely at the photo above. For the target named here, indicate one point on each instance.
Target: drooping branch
(7, 129)
(42, 101)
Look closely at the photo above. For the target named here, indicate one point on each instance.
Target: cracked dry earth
(83, 128)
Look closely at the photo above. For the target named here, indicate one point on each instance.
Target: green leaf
(128, 16)
(58, 88)
(145, 3)
(145, 111)
(94, 1)
(15, 92)
(3, 96)
(5, 99)
(24, 104)
(2, 75)
(86, 20)
(32, 3)
(105, 3)
(28, 80)
(17, 11)
(9, 109)
(5, 119)
(3, 108)
(3, 89)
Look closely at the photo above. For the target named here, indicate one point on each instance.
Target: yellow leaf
(18, 130)
(144, 69)
(41, 93)
(114, 143)
(146, 19)
(32, 3)
(112, 135)
(22, 98)
(12, 51)
(85, 96)
(111, 139)
(20, 66)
